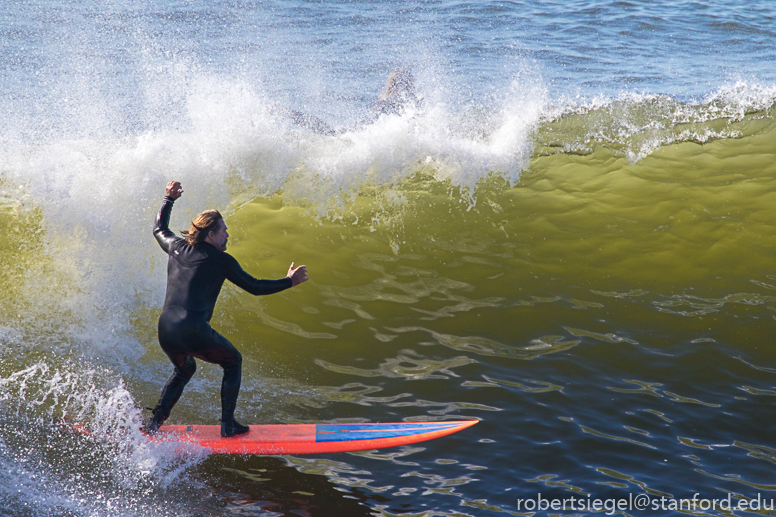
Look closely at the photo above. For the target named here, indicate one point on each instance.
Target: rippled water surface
(569, 239)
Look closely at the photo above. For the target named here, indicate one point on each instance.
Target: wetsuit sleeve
(164, 236)
(235, 274)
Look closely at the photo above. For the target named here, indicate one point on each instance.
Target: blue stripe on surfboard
(351, 432)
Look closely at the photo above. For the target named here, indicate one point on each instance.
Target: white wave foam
(41, 395)
(635, 125)
(739, 99)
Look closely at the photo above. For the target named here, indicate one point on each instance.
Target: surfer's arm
(164, 236)
(235, 274)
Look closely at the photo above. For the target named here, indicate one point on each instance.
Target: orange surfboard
(310, 438)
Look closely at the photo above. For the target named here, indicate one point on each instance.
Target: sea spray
(76, 430)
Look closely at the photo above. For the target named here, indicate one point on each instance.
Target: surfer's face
(218, 237)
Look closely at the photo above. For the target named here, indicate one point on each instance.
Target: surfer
(196, 269)
(397, 97)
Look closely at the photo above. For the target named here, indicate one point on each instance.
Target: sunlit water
(571, 241)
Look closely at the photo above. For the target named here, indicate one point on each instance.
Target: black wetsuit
(195, 275)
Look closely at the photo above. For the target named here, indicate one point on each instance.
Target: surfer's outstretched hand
(297, 275)
(174, 189)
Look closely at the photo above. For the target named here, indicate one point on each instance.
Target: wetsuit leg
(181, 342)
(184, 370)
(221, 352)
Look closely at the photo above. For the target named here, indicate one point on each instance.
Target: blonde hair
(399, 84)
(201, 226)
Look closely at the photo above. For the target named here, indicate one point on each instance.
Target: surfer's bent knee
(235, 363)
(188, 368)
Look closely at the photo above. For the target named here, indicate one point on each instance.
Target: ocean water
(569, 237)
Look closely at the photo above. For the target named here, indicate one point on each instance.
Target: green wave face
(420, 278)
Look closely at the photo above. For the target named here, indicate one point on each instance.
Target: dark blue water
(139, 59)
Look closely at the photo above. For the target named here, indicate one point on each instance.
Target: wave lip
(635, 125)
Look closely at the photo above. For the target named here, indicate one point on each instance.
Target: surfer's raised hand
(174, 189)
(297, 275)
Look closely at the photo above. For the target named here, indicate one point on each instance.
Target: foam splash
(126, 473)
